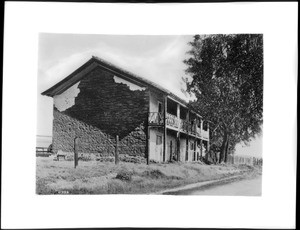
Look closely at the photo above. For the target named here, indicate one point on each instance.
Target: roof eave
(51, 91)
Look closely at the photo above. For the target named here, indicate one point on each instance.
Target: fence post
(117, 150)
(75, 152)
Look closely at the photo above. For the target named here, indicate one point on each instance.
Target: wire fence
(236, 159)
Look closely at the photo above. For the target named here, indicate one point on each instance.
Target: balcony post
(165, 128)
(187, 136)
(178, 133)
(178, 115)
(148, 131)
(201, 149)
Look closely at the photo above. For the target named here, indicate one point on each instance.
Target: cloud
(162, 65)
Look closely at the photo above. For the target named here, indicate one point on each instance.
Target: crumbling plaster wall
(67, 98)
(98, 108)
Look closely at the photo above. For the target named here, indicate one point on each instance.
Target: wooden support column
(187, 136)
(201, 149)
(75, 152)
(165, 129)
(148, 132)
(178, 133)
(201, 125)
(201, 141)
(207, 146)
(178, 114)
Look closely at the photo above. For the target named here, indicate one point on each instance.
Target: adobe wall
(156, 151)
(98, 108)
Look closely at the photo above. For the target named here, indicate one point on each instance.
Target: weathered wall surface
(191, 151)
(91, 139)
(98, 108)
(154, 100)
(182, 148)
(156, 151)
(66, 99)
(170, 148)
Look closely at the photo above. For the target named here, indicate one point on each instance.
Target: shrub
(154, 161)
(124, 175)
(85, 158)
(50, 148)
(154, 174)
(69, 158)
(132, 159)
(105, 159)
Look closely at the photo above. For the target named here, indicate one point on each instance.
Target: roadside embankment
(94, 177)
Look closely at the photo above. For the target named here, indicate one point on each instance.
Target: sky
(156, 58)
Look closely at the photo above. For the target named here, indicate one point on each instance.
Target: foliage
(124, 175)
(94, 177)
(227, 79)
(50, 148)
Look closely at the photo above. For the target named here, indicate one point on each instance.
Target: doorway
(159, 148)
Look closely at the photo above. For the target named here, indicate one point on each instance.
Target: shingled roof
(78, 74)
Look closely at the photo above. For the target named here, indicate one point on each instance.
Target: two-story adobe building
(99, 101)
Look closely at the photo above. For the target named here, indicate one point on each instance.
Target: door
(191, 151)
(159, 148)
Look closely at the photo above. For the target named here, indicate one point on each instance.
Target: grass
(94, 177)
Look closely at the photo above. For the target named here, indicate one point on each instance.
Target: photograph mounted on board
(147, 114)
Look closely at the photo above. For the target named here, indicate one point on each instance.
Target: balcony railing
(193, 129)
(198, 131)
(172, 120)
(185, 126)
(156, 118)
(205, 134)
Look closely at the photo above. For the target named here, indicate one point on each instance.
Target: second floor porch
(195, 127)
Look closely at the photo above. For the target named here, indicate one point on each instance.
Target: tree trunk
(223, 147)
(216, 158)
(226, 151)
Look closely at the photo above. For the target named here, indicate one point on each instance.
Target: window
(205, 126)
(159, 107)
(158, 140)
(198, 123)
(192, 146)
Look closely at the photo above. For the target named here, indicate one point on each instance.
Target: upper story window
(198, 123)
(171, 107)
(183, 113)
(205, 126)
(159, 107)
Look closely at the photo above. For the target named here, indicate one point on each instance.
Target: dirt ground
(93, 177)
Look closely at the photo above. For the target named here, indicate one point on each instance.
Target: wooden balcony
(193, 129)
(172, 121)
(183, 126)
(196, 131)
(155, 119)
(205, 134)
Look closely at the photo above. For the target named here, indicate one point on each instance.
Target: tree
(227, 80)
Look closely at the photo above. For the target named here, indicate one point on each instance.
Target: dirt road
(246, 187)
